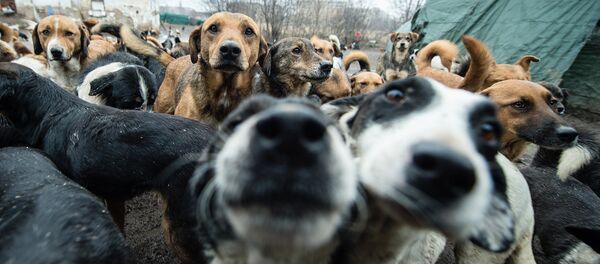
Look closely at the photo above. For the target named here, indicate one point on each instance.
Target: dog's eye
(363, 84)
(297, 50)
(319, 50)
(394, 95)
(213, 29)
(553, 102)
(520, 105)
(46, 32)
(69, 34)
(249, 32)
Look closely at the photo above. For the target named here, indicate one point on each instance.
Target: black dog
(47, 218)
(118, 80)
(567, 215)
(116, 154)
(275, 187)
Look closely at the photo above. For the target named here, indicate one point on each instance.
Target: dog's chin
(318, 77)
(552, 143)
(264, 228)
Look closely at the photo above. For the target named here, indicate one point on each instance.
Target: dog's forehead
(227, 19)
(57, 22)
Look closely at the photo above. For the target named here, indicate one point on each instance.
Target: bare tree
(405, 10)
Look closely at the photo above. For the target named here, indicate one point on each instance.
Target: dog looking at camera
(445, 176)
(275, 186)
(397, 64)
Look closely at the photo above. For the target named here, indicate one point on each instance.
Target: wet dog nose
(326, 67)
(291, 131)
(566, 134)
(560, 109)
(440, 172)
(56, 53)
(230, 50)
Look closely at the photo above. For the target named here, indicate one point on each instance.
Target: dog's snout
(230, 49)
(56, 53)
(560, 109)
(326, 67)
(291, 131)
(440, 171)
(566, 134)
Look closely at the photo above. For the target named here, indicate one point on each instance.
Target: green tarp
(179, 19)
(554, 30)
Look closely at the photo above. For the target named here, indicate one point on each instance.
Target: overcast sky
(201, 6)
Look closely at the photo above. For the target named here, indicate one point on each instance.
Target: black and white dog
(119, 80)
(47, 218)
(114, 153)
(427, 160)
(276, 186)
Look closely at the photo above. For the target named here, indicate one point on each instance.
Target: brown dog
(337, 85)
(483, 71)
(218, 74)
(527, 112)
(325, 48)
(363, 81)
(290, 67)
(396, 64)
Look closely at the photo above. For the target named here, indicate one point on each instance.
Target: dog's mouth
(228, 66)
(319, 77)
(60, 59)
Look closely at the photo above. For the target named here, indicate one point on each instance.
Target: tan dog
(337, 85)
(396, 64)
(62, 44)
(218, 74)
(527, 113)
(483, 70)
(363, 81)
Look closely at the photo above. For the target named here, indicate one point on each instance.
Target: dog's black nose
(326, 67)
(440, 172)
(560, 109)
(291, 131)
(56, 53)
(230, 50)
(566, 134)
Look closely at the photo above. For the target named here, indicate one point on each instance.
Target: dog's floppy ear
(194, 43)
(587, 235)
(414, 36)
(525, 60)
(268, 61)
(393, 36)
(84, 40)
(102, 84)
(37, 45)
(496, 232)
(262, 50)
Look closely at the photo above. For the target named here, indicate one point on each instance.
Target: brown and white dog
(483, 71)
(217, 76)
(363, 81)
(396, 64)
(61, 47)
(337, 85)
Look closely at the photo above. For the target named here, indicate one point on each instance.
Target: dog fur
(337, 85)
(207, 86)
(118, 80)
(47, 218)
(397, 64)
(397, 222)
(104, 149)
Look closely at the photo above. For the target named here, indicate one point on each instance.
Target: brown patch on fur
(396, 64)
(7, 53)
(365, 82)
(90, 22)
(517, 71)
(336, 86)
(481, 62)
(514, 120)
(359, 56)
(7, 33)
(213, 86)
(290, 67)
(99, 47)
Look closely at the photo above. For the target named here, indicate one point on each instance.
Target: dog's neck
(66, 73)
(225, 91)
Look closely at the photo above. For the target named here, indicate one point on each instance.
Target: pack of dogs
(276, 154)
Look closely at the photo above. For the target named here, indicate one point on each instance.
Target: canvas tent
(554, 30)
